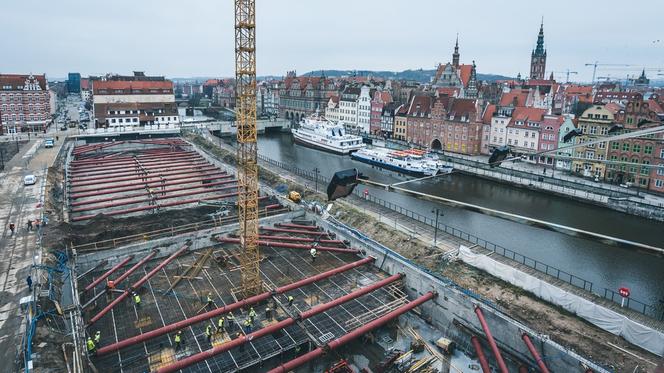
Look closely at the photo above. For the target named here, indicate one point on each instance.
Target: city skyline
(369, 37)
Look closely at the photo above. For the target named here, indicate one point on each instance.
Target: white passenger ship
(411, 161)
(319, 133)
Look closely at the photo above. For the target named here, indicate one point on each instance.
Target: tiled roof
(553, 120)
(464, 74)
(127, 85)
(529, 114)
(85, 84)
(334, 99)
(655, 106)
(449, 91)
(614, 107)
(488, 114)
(18, 80)
(578, 89)
(462, 107)
(521, 96)
(420, 106)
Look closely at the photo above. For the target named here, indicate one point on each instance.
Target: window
(615, 145)
(593, 130)
(647, 149)
(604, 131)
(659, 183)
(645, 170)
(660, 169)
(601, 145)
(636, 148)
(625, 147)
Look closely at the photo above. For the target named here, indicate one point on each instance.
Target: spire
(539, 50)
(455, 55)
(551, 76)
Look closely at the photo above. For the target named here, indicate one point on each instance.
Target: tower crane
(245, 78)
(567, 73)
(594, 65)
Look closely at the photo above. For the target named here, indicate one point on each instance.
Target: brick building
(636, 155)
(136, 100)
(302, 96)
(595, 122)
(378, 102)
(25, 103)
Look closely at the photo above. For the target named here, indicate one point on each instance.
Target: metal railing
(579, 282)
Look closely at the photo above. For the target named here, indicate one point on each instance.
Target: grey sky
(195, 37)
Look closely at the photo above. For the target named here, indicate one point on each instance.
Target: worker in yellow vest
(252, 315)
(178, 340)
(137, 300)
(92, 349)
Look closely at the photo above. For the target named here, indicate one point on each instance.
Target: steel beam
(480, 354)
(492, 342)
(181, 364)
(230, 307)
(136, 285)
(346, 338)
(536, 355)
(108, 273)
(141, 185)
(294, 246)
(148, 177)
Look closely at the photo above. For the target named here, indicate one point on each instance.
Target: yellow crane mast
(245, 79)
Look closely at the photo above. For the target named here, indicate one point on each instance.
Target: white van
(29, 180)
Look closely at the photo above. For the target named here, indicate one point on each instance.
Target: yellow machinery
(294, 196)
(245, 79)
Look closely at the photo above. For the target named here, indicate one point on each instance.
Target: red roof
(334, 99)
(131, 84)
(578, 89)
(462, 107)
(521, 96)
(553, 120)
(613, 107)
(528, 114)
(85, 83)
(449, 91)
(420, 106)
(18, 80)
(464, 74)
(488, 114)
(540, 82)
(655, 106)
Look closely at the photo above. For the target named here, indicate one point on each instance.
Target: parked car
(29, 180)
(49, 142)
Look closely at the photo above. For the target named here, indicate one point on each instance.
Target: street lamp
(438, 213)
(316, 171)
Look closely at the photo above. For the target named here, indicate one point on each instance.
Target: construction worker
(220, 325)
(137, 300)
(210, 301)
(29, 225)
(290, 300)
(97, 337)
(247, 326)
(92, 349)
(12, 227)
(208, 333)
(178, 340)
(313, 254)
(230, 321)
(268, 313)
(29, 281)
(252, 315)
(110, 284)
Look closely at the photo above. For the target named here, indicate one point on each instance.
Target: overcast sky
(195, 37)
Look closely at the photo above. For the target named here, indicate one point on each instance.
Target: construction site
(169, 254)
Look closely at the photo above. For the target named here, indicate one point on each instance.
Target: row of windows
(525, 143)
(19, 107)
(30, 97)
(7, 118)
(636, 147)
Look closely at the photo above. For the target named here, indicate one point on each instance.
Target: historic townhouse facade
(595, 122)
(302, 96)
(25, 103)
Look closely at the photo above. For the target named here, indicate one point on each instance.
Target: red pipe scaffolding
(294, 246)
(229, 308)
(157, 191)
(144, 178)
(116, 164)
(109, 272)
(152, 207)
(298, 226)
(296, 231)
(299, 239)
(158, 197)
(193, 359)
(133, 170)
(492, 342)
(533, 351)
(286, 367)
(141, 185)
(135, 267)
(136, 285)
(480, 354)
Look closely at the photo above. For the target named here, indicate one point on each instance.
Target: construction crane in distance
(247, 152)
(594, 65)
(567, 73)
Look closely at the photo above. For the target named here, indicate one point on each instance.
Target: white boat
(319, 133)
(411, 161)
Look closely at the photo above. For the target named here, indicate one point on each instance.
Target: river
(605, 265)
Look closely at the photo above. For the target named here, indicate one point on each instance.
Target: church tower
(538, 57)
(455, 55)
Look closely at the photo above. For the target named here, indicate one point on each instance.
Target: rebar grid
(278, 267)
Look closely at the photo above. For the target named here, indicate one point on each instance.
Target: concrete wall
(455, 305)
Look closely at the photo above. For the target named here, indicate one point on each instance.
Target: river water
(605, 265)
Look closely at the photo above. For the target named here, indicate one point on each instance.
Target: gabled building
(401, 123)
(563, 161)
(332, 109)
(380, 99)
(595, 122)
(302, 96)
(25, 103)
(364, 109)
(348, 109)
(523, 131)
(455, 75)
(387, 118)
(487, 116)
(549, 131)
